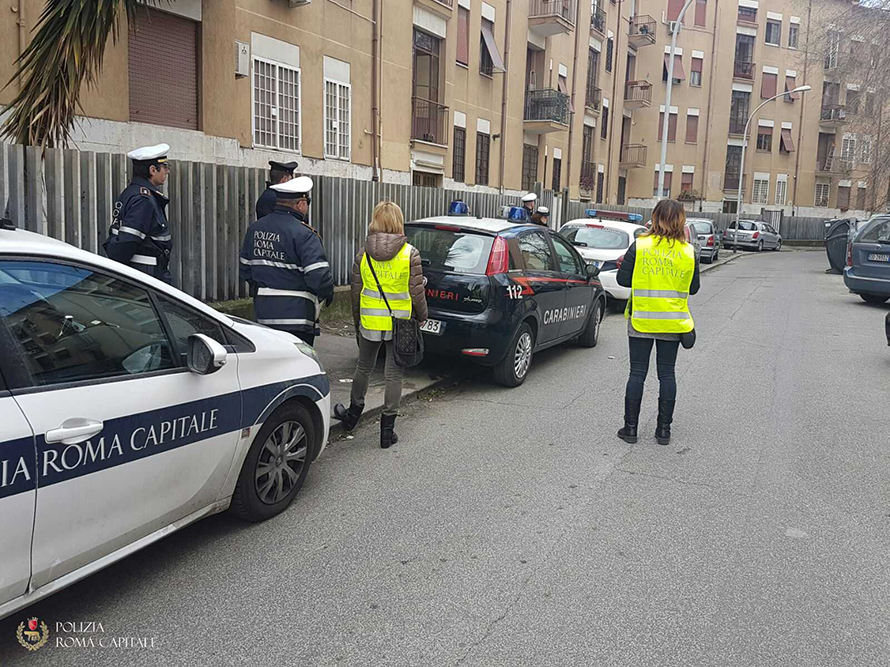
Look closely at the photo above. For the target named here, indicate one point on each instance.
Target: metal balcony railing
(547, 105)
(638, 91)
(447, 3)
(833, 114)
(742, 69)
(429, 121)
(634, 154)
(642, 28)
(594, 98)
(588, 175)
(563, 9)
(732, 180)
(598, 20)
(737, 124)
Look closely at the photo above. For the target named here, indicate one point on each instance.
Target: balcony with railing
(546, 111)
(637, 94)
(588, 176)
(641, 31)
(429, 121)
(633, 156)
(831, 165)
(744, 70)
(597, 21)
(551, 17)
(737, 124)
(732, 180)
(593, 100)
(833, 115)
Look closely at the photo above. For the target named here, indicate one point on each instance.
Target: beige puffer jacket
(383, 247)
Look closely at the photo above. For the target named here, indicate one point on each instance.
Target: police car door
(546, 283)
(128, 440)
(578, 289)
(18, 494)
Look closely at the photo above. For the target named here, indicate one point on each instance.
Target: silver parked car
(708, 237)
(754, 235)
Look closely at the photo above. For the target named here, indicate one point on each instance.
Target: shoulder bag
(407, 341)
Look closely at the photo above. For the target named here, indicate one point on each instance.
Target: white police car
(129, 410)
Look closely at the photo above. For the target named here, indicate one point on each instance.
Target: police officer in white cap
(542, 216)
(139, 234)
(284, 262)
(528, 203)
(279, 172)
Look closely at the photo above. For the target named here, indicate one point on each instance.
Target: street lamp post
(738, 208)
(667, 100)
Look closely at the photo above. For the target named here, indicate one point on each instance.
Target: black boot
(631, 420)
(665, 417)
(388, 436)
(349, 417)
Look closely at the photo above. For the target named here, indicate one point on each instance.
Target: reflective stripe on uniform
(144, 259)
(653, 315)
(381, 312)
(395, 296)
(130, 230)
(661, 293)
(267, 262)
(285, 322)
(313, 267)
(271, 291)
(166, 237)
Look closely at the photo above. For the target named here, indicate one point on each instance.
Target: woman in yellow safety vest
(399, 274)
(661, 269)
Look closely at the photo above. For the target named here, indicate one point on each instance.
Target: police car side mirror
(205, 355)
(592, 271)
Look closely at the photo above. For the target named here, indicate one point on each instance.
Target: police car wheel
(591, 334)
(276, 465)
(514, 367)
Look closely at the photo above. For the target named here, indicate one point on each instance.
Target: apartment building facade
(490, 95)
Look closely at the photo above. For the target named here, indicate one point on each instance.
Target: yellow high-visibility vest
(659, 296)
(393, 276)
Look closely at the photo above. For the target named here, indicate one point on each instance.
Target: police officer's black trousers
(305, 336)
(665, 364)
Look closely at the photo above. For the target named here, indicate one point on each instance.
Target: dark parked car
(499, 291)
(887, 327)
(868, 261)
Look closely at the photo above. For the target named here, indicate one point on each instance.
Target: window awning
(787, 142)
(679, 72)
(791, 84)
(491, 45)
(561, 84)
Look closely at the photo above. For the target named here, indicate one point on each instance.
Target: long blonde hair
(668, 221)
(387, 218)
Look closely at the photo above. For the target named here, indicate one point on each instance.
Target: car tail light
(849, 254)
(710, 241)
(618, 261)
(755, 236)
(499, 260)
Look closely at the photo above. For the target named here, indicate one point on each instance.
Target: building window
(848, 149)
(732, 175)
(593, 92)
(600, 186)
(672, 126)
(483, 148)
(604, 130)
(459, 155)
(667, 184)
(686, 183)
(773, 33)
(843, 197)
(852, 102)
(276, 105)
(748, 14)
(337, 119)
(831, 52)
(701, 12)
(529, 167)
(424, 180)
(865, 149)
(691, 129)
(869, 104)
(738, 111)
(760, 195)
(769, 85)
(587, 167)
(765, 139)
(730, 205)
(163, 71)
(486, 66)
(490, 58)
(860, 198)
(695, 74)
(557, 173)
(793, 35)
(610, 46)
(428, 117)
(822, 190)
(781, 192)
(463, 35)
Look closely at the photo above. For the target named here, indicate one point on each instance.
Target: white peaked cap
(531, 196)
(149, 153)
(301, 185)
(543, 210)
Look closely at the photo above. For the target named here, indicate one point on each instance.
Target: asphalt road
(511, 527)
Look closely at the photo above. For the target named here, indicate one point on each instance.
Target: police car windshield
(602, 238)
(450, 250)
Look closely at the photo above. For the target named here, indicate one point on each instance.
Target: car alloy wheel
(522, 357)
(281, 462)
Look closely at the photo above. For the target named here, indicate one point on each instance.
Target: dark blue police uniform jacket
(289, 275)
(140, 236)
(266, 203)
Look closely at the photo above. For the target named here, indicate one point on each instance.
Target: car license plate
(432, 327)
(879, 258)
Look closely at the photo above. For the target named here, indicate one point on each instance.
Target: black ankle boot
(388, 436)
(631, 420)
(349, 417)
(665, 417)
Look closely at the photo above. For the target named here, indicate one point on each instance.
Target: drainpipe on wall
(375, 130)
(607, 184)
(803, 101)
(509, 24)
(574, 87)
(23, 34)
(711, 69)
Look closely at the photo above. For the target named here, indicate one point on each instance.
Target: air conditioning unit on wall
(298, 3)
(673, 26)
(242, 59)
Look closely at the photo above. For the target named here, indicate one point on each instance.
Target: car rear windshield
(702, 227)
(450, 250)
(746, 226)
(602, 238)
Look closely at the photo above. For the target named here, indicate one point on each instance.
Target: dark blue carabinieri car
(499, 291)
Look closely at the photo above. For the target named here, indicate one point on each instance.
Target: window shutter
(843, 196)
(701, 12)
(768, 85)
(673, 10)
(463, 35)
(686, 182)
(791, 84)
(163, 71)
(672, 127)
(691, 129)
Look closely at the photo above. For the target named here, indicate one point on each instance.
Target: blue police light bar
(517, 214)
(614, 215)
(457, 207)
